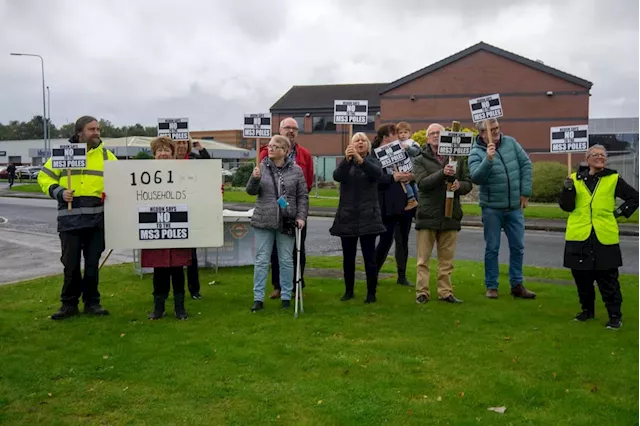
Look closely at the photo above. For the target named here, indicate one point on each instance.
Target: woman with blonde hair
(358, 216)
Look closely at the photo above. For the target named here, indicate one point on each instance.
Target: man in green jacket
(503, 170)
(431, 172)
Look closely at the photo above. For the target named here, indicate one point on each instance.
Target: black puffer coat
(358, 210)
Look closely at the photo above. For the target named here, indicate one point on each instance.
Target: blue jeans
(264, 239)
(512, 221)
(412, 190)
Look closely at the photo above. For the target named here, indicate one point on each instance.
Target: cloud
(214, 61)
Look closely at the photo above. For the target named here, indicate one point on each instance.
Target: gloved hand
(568, 184)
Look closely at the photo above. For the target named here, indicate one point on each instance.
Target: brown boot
(411, 204)
(275, 294)
(492, 293)
(521, 292)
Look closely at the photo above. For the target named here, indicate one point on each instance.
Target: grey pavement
(29, 237)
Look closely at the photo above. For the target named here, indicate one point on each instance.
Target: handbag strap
(275, 185)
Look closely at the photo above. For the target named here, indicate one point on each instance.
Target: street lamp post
(44, 108)
(48, 143)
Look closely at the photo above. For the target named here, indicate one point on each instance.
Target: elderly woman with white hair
(592, 249)
(358, 216)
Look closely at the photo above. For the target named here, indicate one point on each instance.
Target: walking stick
(298, 294)
(105, 258)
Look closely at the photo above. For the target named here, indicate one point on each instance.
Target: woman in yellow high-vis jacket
(81, 228)
(592, 248)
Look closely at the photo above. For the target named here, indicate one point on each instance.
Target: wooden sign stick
(69, 187)
(448, 203)
(257, 152)
(569, 164)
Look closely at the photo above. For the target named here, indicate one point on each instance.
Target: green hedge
(242, 175)
(548, 178)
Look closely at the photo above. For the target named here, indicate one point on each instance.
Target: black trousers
(349, 251)
(609, 290)
(193, 278)
(11, 180)
(90, 243)
(401, 223)
(162, 279)
(275, 267)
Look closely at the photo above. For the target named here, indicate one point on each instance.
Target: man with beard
(300, 156)
(184, 151)
(81, 228)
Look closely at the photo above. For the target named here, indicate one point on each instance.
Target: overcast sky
(213, 61)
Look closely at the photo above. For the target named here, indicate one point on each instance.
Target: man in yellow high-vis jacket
(592, 248)
(81, 228)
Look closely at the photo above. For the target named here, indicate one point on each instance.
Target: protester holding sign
(503, 170)
(298, 155)
(167, 264)
(282, 205)
(433, 228)
(358, 216)
(82, 227)
(184, 149)
(393, 201)
(592, 249)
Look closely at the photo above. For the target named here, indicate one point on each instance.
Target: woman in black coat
(358, 215)
(393, 201)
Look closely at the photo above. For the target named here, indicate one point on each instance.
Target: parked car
(33, 171)
(3, 173)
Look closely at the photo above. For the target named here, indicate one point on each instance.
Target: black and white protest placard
(392, 155)
(257, 126)
(485, 108)
(350, 112)
(165, 222)
(570, 138)
(69, 156)
(174, 128)
(456, 144)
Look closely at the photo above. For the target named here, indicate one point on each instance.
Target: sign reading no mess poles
(350, 112)
(69, 156)
(485, 108)
(570, 138)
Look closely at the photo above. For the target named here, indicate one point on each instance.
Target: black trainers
(451, 299)
(584, 316)
(257, 306)
(196, 296)
(65, 311)
(422, 299)
(614, 323)
(371, 298)
(347, 296)
(286, 304)
(404, 281)
(95, 309)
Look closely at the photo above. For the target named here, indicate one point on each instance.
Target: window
(369, 127)
(323, 124)
(300, 121)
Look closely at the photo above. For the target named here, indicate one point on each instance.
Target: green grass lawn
(329, 198)
(340, 363)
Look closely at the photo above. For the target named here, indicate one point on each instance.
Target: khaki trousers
(446, 242)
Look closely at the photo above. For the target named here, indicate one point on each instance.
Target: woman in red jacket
(168, 264)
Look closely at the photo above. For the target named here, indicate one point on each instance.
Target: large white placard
(69, 156)
(257, 126)
(350, 112)
(392, 156)
(174, 128)
(457, 144)
(163, 204)
(485, 108)
(570, 138)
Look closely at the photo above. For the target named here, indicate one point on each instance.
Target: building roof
(310, 98)
(491, 49)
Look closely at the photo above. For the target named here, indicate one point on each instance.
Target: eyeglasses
(598, 155)
(274, 147)
(493, 130)
(288, 129)
(434, 133)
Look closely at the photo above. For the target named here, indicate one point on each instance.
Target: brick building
(535, 97)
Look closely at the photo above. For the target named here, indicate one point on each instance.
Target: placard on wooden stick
(569, 139)
(69, 156)
(257, 126)
(350, 112)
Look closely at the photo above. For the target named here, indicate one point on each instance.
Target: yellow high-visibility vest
(594, 210)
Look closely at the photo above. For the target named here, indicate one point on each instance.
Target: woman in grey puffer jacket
(282, 203)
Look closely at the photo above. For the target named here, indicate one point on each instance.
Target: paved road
(30, 236)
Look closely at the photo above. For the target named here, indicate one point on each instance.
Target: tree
(143, 155)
